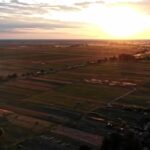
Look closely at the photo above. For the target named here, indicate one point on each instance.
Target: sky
(74, 19)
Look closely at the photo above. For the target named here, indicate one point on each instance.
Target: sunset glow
(122, 21)
(71, 19)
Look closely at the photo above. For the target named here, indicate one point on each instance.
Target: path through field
(122, 96)
(109, 104)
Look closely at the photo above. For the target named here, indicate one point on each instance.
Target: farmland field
(66, 87)
(53, 81)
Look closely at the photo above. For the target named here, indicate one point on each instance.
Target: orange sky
(75, 19)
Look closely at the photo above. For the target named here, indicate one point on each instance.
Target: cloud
(16, 5)
(18, 16)
(8, 24)
(122, 1)
(87, 3)
(23, 7)
(15, 1)
(84, 4)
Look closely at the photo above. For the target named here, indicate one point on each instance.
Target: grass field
(63, 93)
(21, 59)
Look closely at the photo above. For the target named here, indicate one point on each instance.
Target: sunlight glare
(120, 21)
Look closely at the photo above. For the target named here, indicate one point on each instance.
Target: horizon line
(79, 39)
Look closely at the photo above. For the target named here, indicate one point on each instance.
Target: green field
(77, 95)
(61, 90)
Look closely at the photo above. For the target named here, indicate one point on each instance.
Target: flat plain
(52, 79)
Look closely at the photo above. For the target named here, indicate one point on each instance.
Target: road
(122, 96)
(109, 104)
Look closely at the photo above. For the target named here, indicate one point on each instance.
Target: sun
(120, 21)
(123, 22)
